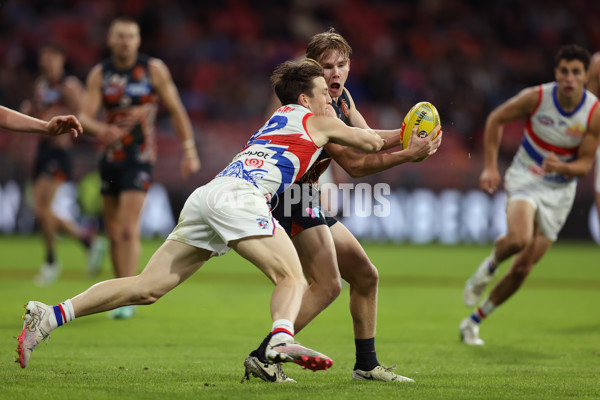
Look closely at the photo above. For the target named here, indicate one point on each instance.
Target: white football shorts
(223, 210)
(552, 201)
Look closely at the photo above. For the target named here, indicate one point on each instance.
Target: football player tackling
(231, 212)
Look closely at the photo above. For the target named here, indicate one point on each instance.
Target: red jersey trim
(306, 130)
(589, 118)
(539, 100)
(547, 146)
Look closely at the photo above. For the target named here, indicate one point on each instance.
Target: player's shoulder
(531, 93)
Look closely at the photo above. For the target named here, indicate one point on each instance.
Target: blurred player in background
(59, 125)
(56, 93)
(561, 137)
(126, 86)
(231, 212)
(327, 249)
(593, 86)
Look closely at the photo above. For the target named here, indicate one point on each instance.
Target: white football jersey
(278, 153)
(549, 128)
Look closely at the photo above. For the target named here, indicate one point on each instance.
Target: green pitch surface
(544, 343)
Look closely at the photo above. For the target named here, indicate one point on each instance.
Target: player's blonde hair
(323, 42)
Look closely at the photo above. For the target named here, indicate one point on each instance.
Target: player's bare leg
(520, 216)
(316, 251)
(362, 276)
(276, 257)
(521, 266)
(44, 189)
(121, 215)
(172, 263)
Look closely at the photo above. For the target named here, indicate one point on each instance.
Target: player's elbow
(356, 172)
(372, 146)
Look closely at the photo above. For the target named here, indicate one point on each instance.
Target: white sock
(487, 307)
(61, 314)
(283, 330)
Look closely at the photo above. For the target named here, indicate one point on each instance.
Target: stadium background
(463, 56)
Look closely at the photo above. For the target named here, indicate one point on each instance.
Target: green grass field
(544, 343)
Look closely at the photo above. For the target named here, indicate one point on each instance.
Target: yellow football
(425, 116)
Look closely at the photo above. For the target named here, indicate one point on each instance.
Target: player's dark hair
(327, 41)
(291, 79)
(572, 52)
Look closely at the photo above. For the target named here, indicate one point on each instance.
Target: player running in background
(593, 86)
(231, 212)
(126, 86)
(561, 137)
(59, 125)
(327, 249)
(56, 93)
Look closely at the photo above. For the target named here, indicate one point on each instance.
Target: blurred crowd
(464, 56)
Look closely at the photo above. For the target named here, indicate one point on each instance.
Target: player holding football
(593, 86)
(56, 93)
(561, 137)
(327, 249)
(126, 86)
(231, 211)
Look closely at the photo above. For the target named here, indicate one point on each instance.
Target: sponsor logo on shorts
(263, 223)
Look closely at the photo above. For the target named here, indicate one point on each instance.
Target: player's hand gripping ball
(425, 116)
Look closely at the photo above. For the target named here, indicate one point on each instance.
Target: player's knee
(128, 233)
(144, 295)
(367, 279)
(517, 243)
(328, 289)
(41, 213)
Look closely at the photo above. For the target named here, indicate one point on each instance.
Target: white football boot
(294, 352)
(380, 373)
(469, 332)
(36, 328)
(267, 372)
(48, 274)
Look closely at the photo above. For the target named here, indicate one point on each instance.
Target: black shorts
(117, 177)
(299, 208)
(52, 161)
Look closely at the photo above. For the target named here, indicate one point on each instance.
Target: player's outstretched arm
(358, 164)
(167, 91)
(17, 122)
(514, 108)
(325, 129)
